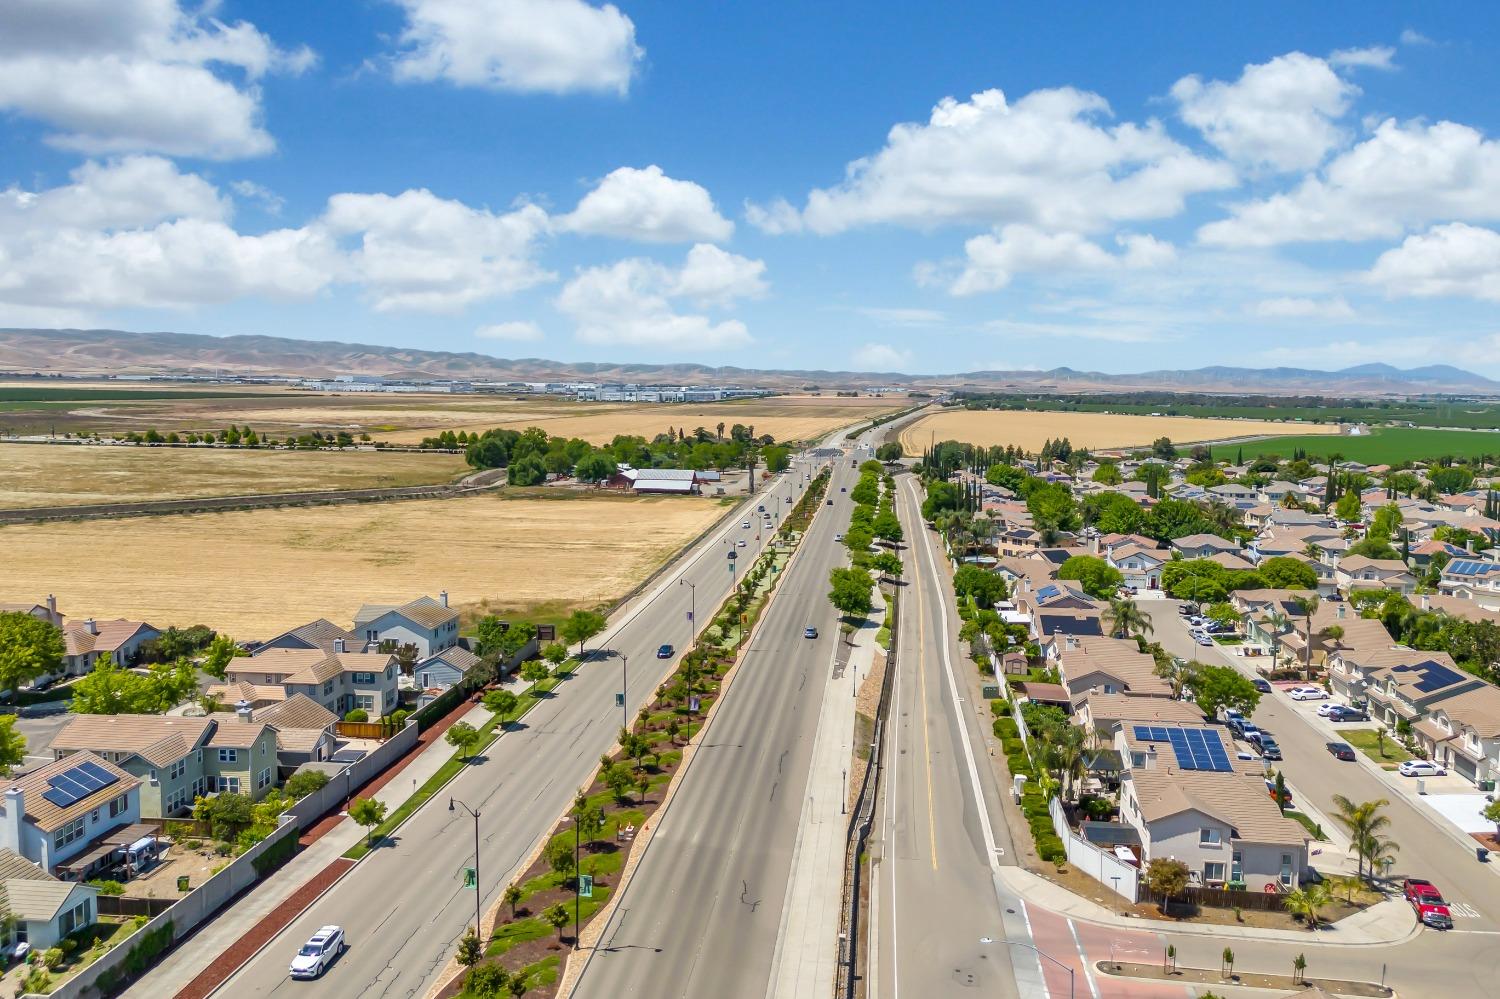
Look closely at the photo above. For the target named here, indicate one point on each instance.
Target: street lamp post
(577, 882)
(692, 611)
(1041, 953)
(624, 692)
(451, 803)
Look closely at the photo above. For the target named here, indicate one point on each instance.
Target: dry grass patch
(36, 475)
(1030, 430)
(255, 573)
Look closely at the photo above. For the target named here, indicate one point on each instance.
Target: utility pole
(692, 612)
(451, 803)
(624, 692)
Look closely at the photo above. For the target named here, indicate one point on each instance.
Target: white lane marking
(1463, 910)
(1088, 973)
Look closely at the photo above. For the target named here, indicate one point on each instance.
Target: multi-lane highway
(405, 905)
(701, 914)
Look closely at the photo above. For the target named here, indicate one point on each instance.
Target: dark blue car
(665, 652)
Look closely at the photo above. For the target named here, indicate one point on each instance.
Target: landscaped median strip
(527, 700)
(541, 901)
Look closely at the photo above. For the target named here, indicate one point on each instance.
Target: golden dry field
(1030, 430)
(256, 573)
(405, 418)
(33, 475)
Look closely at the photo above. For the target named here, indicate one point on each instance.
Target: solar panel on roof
(105, 777)
(58, 797)
(65, 782)
(1435, 676)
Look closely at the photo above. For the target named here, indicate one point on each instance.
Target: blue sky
(871, 186)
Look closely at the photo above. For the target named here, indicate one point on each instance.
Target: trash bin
(1481, 854)
(1486, 785)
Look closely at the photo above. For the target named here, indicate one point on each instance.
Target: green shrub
(1008, 728)
(357, 715)
(1050, 848)
(1000, 707)
(108, 887)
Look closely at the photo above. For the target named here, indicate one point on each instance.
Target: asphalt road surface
(938, 925)
(702, 911)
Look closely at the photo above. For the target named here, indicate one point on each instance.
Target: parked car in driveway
(1326, 708)
(1262, 684)
(1420, 768)
(1428, 903)
(1341, 750)
(1307, 693)
(319, 952)
(1344, 713)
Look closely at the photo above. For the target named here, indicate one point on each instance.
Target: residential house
(1420, 556)
(1462, 733)
(1231, 493)
(42, 909)
(1356, 572)
(177, 759)
(1233, 562)
(1354, 632)
(319, 634)
(1476, 579)
(1140, 566)
(67, 809)
(447, 668)
(46, 611)
(85, 641)
(1051, 630)
(306, 732)
(340, 681)
(431, 625)
(1190, 800)
(1408, 690)
(1204, 546)
(1109, 666)
(1102, 712)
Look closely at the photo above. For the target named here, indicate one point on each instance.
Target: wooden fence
(124, 905)
(1225, 898)
(381, 730)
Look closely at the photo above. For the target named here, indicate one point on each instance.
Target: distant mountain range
(101, 352)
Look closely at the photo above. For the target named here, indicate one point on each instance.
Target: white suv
(319, 952)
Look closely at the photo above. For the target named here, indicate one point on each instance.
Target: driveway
(39, 733)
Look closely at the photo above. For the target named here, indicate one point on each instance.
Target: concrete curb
(574, 970)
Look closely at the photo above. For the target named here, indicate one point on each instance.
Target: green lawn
(1381, 446)
(1364, 740)
(1313, 829)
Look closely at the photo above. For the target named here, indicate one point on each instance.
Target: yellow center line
(926, 736)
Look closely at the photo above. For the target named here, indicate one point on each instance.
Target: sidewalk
(212, 946)
(1383, 924)
(805, 963)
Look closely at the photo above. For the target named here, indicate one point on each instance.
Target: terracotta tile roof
(160, 740)
(1237, 799)
(47, 816)
(111, 635)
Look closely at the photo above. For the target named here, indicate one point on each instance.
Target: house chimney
(243, 711)
(91, 626)
(1426, 601)
(444, 597)
(1469, 546)
(1150, 756)
(1341, 612)
(339, 646)
(52, 609)
(15, 812)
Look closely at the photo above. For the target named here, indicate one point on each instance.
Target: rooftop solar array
(1435, 675)
(76, 783)
(1195, 749)
(1470, 567)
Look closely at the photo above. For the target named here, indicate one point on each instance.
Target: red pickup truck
(1428, 903)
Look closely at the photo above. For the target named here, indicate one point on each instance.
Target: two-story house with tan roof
(175, 758)
(1356, 572)
(68, 808)
(1109, 666)
(1409, 690)
(431, 625)
(43, 909)
(340, 681)
(1140, 566)
(1190, 799)
(1462, 733)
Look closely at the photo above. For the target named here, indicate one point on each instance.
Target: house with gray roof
(44, 908)
(430, 625)
(67, 809)
(320, 634)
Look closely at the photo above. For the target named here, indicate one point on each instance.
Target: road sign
(471, 879)
(585, 886)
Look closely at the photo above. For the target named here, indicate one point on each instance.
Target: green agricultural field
(1383, 446)
(1445, 413)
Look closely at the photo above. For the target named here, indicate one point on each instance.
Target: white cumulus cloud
(649, 206)
(635, 302)
(1373, 57)
(1454, 259)
(552, 46)
(1050, 160)
(144, 76)
(993, 260)
(1279, 114)
(1291, 307)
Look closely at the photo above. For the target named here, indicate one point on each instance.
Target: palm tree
(1307, 606)
(720, 429)
(1127, 618)
(1379, 851)
(1364, 822)
(1066, 750)
(1313, 550)
(1307, 902)
(1344, 883)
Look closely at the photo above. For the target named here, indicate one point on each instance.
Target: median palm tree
(1125, 617)
(1364, 821)
(1306, 607)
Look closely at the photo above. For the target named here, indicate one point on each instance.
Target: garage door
(1465, 767)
